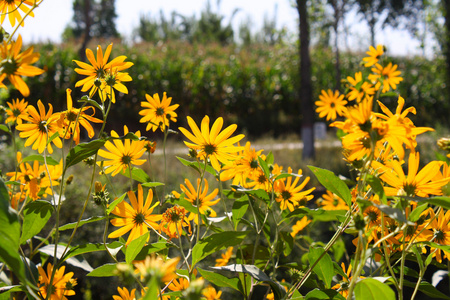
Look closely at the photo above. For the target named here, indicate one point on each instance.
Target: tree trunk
(87, 29)
(337, 17)
(446, 6)
(306, 101)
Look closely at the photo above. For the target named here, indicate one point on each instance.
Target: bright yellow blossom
(124, 294)
(62, 284)
(300, 225)
(387, 76)
(225, 258)
(12, 8)
(40, 128)
(330, 105)
(374, 55)
(14, 64)
(157, 113)
(213, 144)
(136, 217)
(17, 111)
(122, 154)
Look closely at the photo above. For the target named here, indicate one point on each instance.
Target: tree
(306, 100)
(92, 18)
(389, 13)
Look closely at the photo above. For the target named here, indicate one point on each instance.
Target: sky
(52, 16)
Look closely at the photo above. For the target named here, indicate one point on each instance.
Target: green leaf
(372, 289)
(438, 201)
(199, 167)
(221, 280)
(285, 175)
(86, 100)
(270, 158)
(333, 183)
(50, 250)
(415, 214)
(239, 209)
(389, 94)
(10, 235)
(83, 151)
(151, 248)
(393, 213)
(114, 203)
(324, 269)
(317, 294)
(106, 270)
(137, 174)
(88, 248)
(185, 203)
(216, 242)
(54, 136)
(40, 158)
(288, 242)
(152, 184)
(82, 222)
(428, 289)
(135, 247)
(264, 167)
(4, 128)
(257, 274)
(35, 216)
(377, 187)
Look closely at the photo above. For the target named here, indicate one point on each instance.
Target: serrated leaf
(216, 242)
(83, 151)
(35, 216)
(372, 289)
(239, 209)
(40, 158)
(324, 268)
(10, 235)
(106, 270)
(221, 280)
(82, 222)
(333, 183)
(135, 247)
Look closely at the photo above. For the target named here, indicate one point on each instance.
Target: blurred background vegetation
(251, 77)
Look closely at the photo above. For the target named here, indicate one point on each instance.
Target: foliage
(170, 244)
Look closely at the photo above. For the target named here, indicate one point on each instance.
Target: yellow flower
(135, 217)
(300, 225)
(173, 221)
(343, 286)
(122, 154)
(374, 55)
(15, 64)
(388, 76)
(11, 8)
(289, 194)
(62, 284)
(124, 294)
(155, 266)
(439, 232)
(204, 201)
(179, 284)
(102, 70)
(157, 113)
(416, 183)
(220, 262)
(17, 111)
(67, 120)
(213, 145)
(41, 127)
(330, 105)
(243, 167)
(112, 80)
(331, 201)
(359, 88)
(210, 293)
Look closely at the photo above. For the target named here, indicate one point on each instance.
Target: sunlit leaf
(35, 216)
(333, 183)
